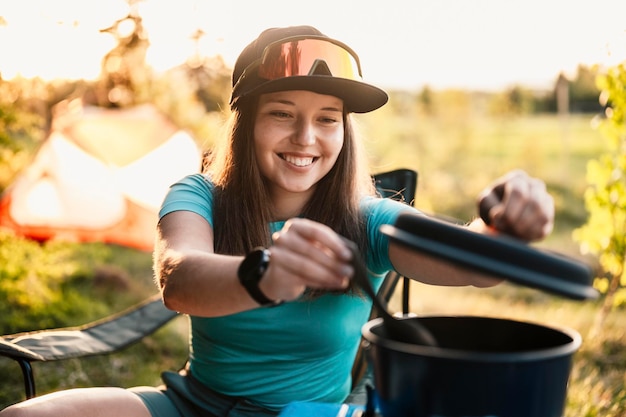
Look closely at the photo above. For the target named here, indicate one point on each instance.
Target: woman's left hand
(521, 206)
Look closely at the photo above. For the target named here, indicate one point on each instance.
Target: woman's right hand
(306, 254)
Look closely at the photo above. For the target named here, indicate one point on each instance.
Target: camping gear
(482, 366)
(500, 256)
(100, 176)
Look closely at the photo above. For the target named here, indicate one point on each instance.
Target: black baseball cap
(303, 58)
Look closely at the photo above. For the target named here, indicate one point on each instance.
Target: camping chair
(118, 331)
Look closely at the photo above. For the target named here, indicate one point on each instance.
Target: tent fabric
(101, 177)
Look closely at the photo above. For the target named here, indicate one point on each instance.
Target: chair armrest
(97, 338)
(100, 337)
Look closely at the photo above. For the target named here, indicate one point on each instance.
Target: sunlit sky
(478, 44)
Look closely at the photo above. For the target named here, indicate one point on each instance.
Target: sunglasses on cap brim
(304, 56)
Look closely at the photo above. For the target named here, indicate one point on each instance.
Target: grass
(457, 158)
(457, 153)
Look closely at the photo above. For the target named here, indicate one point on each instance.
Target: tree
(515, 100)
(604, 234)
(583, 91)
(21, 124)
(125, 78)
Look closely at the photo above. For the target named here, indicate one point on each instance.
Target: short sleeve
(377, 212)
(192, 193)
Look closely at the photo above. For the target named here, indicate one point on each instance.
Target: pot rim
(553, 352)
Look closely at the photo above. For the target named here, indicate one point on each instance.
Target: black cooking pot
(483, 367)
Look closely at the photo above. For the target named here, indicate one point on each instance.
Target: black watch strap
(250, 273)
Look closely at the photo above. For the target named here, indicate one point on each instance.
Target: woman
(254, 251)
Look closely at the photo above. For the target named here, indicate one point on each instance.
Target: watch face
(250, 273)
(253, 266)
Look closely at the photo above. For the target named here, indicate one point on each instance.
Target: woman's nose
(305, 134)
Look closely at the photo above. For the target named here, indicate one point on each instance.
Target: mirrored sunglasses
(305, 56)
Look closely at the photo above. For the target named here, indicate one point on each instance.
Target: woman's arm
(195, 280)
(525, 211)
(192, 278)
(434, 271)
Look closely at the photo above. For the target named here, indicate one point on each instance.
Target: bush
(59, 284)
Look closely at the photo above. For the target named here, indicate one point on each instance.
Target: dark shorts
(183, 396)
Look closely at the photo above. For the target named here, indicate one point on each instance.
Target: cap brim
(357, 96)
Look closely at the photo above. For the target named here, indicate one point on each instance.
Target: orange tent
(100, 176)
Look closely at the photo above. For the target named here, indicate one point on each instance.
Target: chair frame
(115, 332)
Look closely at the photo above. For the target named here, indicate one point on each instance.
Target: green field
(456, 152)
(456, 157)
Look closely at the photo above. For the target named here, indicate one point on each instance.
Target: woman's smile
(299, 161)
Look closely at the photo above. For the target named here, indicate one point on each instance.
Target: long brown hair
(242, 208)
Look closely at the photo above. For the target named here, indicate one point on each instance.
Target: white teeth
(301, 162)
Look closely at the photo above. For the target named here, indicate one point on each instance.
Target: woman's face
(297, 138)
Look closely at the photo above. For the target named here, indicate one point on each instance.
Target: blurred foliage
(22, 126)
(582, 96)
(584, 91)
(189, 93)
(515, 100)
(604, 233)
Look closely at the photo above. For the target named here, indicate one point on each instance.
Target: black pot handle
(488, 201)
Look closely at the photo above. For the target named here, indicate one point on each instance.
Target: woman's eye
(280, 114)
(328, 120)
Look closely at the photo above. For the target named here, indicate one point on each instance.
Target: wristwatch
(250, 273)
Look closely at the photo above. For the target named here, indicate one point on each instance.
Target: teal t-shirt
(299, 351)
